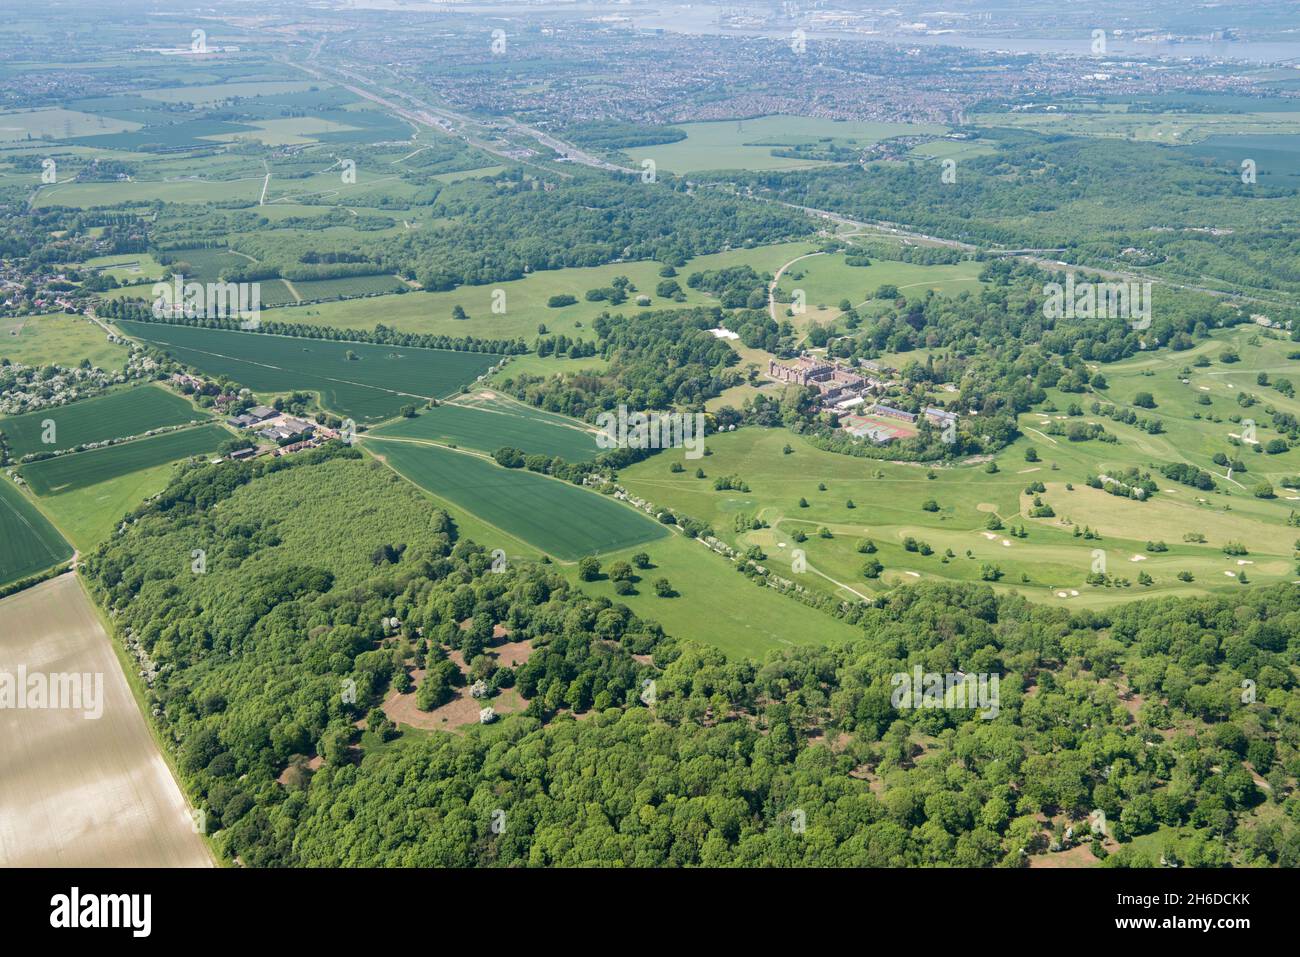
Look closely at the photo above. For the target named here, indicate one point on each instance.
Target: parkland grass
(526, 300)
(58, 339)
(714, 604)
(1050, 563)
(89, 516)
(750, 144)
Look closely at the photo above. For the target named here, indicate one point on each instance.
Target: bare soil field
(78, 792)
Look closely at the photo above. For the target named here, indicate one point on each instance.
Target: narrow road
(457, 124)
(771, 288)
(840, 584)
(90, 314)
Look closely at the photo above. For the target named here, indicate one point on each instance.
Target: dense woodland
(657, 360)
(309, 559)
(1103, 201)
(509, 225)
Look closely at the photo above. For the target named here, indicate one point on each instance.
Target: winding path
(771, 287)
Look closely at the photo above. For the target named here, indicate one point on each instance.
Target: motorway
(422, 113)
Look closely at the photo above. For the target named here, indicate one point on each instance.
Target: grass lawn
(129, 267)
(953, 149)
(292, 131)
(469, 174)
(737, 394)
(57, 123)
(748, 144)
(1171, 128)
(1210, 392)
(715, 604)
(87, 516)
(216, 92)
(60, 339)
(888, 510)
(526, 299)
(826, 280)
(87, 195)
(546, 366)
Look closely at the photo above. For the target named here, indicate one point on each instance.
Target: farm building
(891, 412)
(252, 417)
(288, 429)
(940, 417)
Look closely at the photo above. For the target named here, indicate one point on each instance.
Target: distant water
(697, 20)
(702, 20)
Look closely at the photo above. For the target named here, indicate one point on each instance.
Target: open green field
(371, 386)
(351, 286)
(216, 92)
(88, 516)
(1050, 564)
(1277, 157)
(953, 149)
(827, 280)
(489, 422)
(130, 267)
(329, 188)
(79, 470)
(31, 543)
(60, 339)
(715, 604)
(546, 366)
(469, 174)
(526, 299)
(1114, 120)
(737, 394)
(557, 517)
(1188, 410)
(748, 144)
(204, 265)
(56, 123)
(289, 131)
(112, 416)
(87, 195)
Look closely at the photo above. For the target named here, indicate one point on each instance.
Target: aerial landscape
(621, 434)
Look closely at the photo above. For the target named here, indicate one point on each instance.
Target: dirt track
(77, 792)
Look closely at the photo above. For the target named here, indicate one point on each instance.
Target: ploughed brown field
(76, 792)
